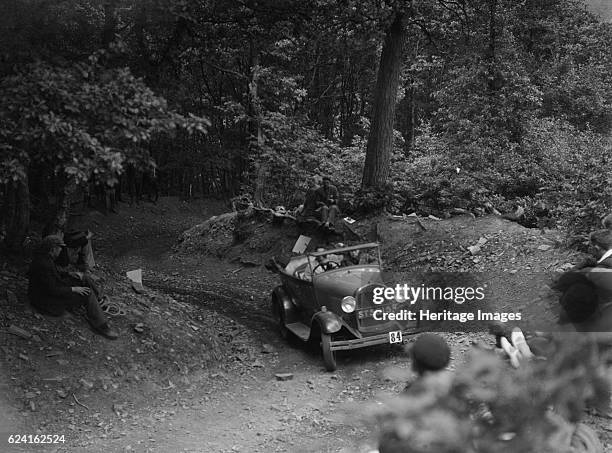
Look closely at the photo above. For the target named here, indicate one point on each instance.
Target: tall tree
(380, 140)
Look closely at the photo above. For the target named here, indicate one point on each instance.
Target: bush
(559, 174)
(485, 407)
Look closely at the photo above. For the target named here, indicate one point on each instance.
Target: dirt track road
(245, 408)
(238, 405)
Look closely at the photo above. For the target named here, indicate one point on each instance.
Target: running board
(300, 330)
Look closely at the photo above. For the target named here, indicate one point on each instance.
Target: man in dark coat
(52, 294)
(327, 201)
(310, 200)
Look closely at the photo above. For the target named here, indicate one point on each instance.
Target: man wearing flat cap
(52, 294)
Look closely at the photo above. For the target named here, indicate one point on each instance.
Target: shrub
(484, 407)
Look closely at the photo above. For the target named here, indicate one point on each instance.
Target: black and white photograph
(306, 226)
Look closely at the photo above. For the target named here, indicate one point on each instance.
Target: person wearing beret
(429, 353)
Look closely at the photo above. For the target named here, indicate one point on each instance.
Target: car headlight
(348, 304)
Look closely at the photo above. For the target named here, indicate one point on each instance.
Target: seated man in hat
(78, 251)
(327, 202)
(308, 210)
(52, 293)
(76, 260)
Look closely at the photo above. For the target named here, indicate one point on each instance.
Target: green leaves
(476, 408)
(81, 119)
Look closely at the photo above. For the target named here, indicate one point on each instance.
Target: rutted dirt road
(235, 404)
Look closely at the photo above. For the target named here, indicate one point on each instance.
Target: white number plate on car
(395, 336)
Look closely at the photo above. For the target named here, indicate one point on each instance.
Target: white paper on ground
(135, 275)
(301, 244)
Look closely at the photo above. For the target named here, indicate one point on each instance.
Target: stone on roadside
(474, 249)
(86, 384)
(284, 376)
(267, 349)
(19, 332)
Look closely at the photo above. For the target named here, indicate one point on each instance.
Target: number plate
(395, 336)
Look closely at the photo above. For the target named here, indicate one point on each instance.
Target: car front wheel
(329, 356)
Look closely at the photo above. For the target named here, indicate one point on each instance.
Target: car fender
(279, 293)
(328, 321)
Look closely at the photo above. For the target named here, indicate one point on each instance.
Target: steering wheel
(326, 266)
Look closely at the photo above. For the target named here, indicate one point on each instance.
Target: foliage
(80, 120)
(477, 409)
(574, 168)
(490, 87)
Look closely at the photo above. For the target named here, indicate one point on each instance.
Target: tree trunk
(17, 213)
(110, 23)
(62, 209)
(260, 184)
(257, 145)
(380, 141)
(495, 79)
(255, 104)
(408, 119)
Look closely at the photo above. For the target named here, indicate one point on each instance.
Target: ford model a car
(327, 298)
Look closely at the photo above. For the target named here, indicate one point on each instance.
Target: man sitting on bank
(77, 261)
(52, 293)
(327, 202)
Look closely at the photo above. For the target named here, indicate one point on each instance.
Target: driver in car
(320, 264)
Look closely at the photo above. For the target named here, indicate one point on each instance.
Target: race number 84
(395, 336)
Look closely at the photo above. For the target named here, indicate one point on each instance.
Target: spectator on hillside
(110, 196)
(76, 260)
(429, 354)
(309, 208)
(602, 241)
(327, 202)
(78, 251)
(586, 304)
(53, 293)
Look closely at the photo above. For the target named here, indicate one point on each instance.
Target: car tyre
(329, 356)
(279, 316)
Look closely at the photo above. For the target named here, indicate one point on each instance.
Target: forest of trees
(408, 105)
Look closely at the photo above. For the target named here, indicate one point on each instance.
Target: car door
(304, 293)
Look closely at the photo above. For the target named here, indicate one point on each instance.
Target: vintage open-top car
(326, 297)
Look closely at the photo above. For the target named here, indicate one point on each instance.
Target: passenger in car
(314, 266)
(355, 257)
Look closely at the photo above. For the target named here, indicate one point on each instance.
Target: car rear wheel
(329, 356)
(279, 316)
